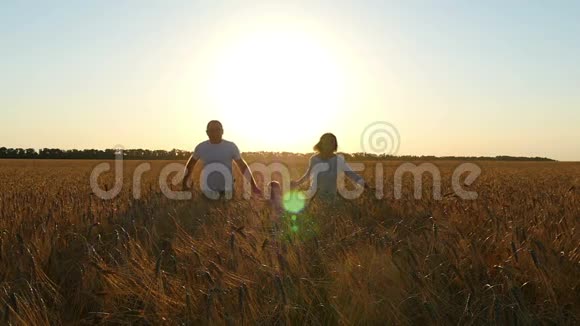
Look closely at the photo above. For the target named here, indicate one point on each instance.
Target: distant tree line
(384, 157)
(92, 154)
(176, 154)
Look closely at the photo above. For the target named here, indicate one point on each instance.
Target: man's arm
(188, 169)
(245, 168)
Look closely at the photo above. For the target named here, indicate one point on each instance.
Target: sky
(449, 77)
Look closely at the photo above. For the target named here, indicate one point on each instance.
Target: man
(217, 155)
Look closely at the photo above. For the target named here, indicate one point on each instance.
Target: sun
(288, 78)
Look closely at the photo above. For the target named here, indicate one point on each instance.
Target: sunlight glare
(285, 77)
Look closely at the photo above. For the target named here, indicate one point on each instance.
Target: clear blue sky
(454, 77)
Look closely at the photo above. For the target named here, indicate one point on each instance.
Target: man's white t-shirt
(217, 164)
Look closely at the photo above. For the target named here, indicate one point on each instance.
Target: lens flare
(294, 201)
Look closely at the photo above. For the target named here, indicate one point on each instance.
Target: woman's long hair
(326, 136)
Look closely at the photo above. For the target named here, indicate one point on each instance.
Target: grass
(510, 257)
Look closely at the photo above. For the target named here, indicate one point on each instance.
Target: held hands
(256, 190)
(184, 185)
(367, 187)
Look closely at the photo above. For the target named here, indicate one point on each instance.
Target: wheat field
(512, 256)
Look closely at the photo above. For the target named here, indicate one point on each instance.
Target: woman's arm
(304, 177)
(350, 173)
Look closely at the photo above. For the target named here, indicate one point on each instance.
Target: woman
(325, 167)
